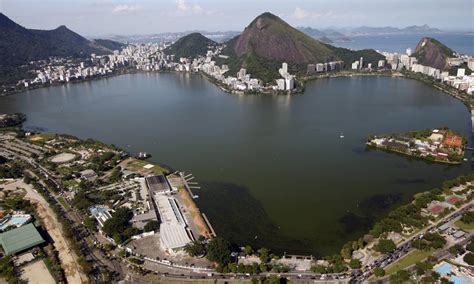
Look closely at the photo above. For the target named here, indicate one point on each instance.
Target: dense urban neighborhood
(75, 210)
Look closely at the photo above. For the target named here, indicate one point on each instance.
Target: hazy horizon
(142, 17)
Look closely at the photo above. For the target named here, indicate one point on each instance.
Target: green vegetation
(195, 248)
(20, 46)
(468, 217)
(268, 41)
(355, 264)
(400, 277)
(7, 271)
(379, 272)
(470, 246)
(408, 260)
(456, 250)
(469, 258)
(422, 267)
(42, 137)
(118, 227)
(429, 241)
(464, 226)
(151, 226)
(218, 250)
(11, 170)
(190, 46)
(385, 246)
(90, 223)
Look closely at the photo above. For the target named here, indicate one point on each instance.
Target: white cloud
(300, 13)
(125, 9)
(184, 7)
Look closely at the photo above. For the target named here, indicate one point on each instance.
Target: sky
(128, 17)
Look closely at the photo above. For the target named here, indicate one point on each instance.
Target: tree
(379, 272)
(264, 255)
(385, 246)
(346, 251)
(195, 248)
(247, 250)
(218, 250)
(456, 250)
(117, 225)
(152, 225)
(354, 264)
(91, 223)
(468, 217)
(115, 176)
(400, 277)
(435, 240)
(470, 246)
(422, 267)
(469, 258)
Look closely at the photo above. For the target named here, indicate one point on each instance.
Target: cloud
(186, 8)
(300, 13)
(125, 9)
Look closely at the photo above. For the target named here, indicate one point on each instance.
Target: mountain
(219, 36)
(110, 44)
(424, 29)
(312, 32)
(431, 52)
(268, 41)
(19, 45)
(190, 46)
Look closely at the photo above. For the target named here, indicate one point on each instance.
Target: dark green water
(273, 170)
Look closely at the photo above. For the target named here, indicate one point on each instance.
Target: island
(438, 145)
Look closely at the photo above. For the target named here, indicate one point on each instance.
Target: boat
(143, 155)
(341, 136)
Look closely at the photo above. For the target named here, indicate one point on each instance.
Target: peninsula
(437, 145)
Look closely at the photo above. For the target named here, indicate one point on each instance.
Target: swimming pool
(15, 221)
(459, 280)
(444, 269)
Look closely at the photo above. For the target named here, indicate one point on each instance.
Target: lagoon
(274, 170)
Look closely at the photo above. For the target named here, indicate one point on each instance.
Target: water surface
(273, 169)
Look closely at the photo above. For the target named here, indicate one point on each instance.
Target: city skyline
(105, 17)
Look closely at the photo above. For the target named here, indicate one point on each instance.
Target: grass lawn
(42, 137)
(464, 226)
(64, 203)
(138, 165)
(408, 260)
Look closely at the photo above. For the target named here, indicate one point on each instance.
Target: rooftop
(173, 236)
(453, 141)
(20, 239)
(157, 183)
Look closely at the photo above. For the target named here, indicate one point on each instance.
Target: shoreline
(411, 156)
(328, 76)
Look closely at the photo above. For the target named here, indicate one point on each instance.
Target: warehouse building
(20, 239)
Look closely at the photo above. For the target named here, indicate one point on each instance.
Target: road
(73, 271)
(405, 247)
(354, 276)
(84, 239)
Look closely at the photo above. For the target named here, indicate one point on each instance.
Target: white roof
(173, 236)
(169, 210)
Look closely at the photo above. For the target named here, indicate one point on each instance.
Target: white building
(174, 234)
(355, 65)
(281, 84)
